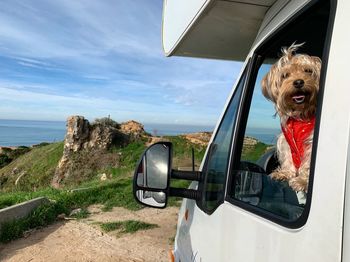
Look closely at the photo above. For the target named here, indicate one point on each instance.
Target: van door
(263, 219)
(244, 215)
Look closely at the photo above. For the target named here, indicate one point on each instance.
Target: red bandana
(296, 132)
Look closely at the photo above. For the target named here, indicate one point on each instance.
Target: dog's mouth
(299, 98)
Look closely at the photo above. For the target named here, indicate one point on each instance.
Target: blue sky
(99, 58)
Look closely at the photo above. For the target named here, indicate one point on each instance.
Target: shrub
(4, 160)
(106, 121)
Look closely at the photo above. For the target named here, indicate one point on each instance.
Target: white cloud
(98, 58)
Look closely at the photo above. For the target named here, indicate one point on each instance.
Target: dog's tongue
(298, 99)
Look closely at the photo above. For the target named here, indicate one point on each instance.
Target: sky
(99, 58)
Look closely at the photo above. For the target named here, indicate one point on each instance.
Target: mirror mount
(186, 175)
(185, 193)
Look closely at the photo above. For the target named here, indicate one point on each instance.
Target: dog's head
(292, 84)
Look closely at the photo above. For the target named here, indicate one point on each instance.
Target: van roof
(222, 29)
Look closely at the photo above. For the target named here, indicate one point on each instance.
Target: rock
(200, 138)
(61, 216)
(15, 171)
(103, 177)
(85, 145)
(81, 136)
(103, 137)
(19, 177)
(132, 127)
(78, 132)
(249, 142)
(75, 212)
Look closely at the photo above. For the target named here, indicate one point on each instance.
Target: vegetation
(106, 121)
(41, 216)
(110, 194)
(8, 154)
(182, 152)
(129, 226)
(82, 213)
(4, 160)
(39, 165)
(253, 154)
(35, 169)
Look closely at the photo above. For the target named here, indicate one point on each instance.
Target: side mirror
(152, 175)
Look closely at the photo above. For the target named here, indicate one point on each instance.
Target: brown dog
(292, 85)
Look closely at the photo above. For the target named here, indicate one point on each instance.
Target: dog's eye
(285, 75)
(308, 70)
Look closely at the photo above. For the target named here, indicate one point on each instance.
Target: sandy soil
(83, 240)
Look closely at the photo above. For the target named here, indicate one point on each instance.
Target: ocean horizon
(32, 132)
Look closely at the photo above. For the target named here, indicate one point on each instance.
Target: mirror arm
(186, 175)
(185, 193)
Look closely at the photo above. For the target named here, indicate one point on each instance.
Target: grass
(110, 194)
(36, 167)
(182, 152)
(39, 217)
(83, 213)
(253, 154)
(128, 226)
(130, 154)
(39, 165)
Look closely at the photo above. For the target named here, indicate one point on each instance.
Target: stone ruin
(83, 136)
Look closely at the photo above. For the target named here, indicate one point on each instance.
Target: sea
(29, 132)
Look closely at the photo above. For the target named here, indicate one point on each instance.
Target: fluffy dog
(292, 84)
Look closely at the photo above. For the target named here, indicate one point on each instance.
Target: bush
(4, 160)
(41, 144)
(106, 121)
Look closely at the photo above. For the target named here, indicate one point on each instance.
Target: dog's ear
(317, 65)
(266, 87)
(317, 61)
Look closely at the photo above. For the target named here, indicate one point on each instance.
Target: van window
(252, 183)
(216, 166)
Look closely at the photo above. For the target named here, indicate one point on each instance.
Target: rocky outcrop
(249, 142)
(200, 138)
(78, 132)
(84, 142)
(132, 127)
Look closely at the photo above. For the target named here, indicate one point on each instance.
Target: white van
(233, 211)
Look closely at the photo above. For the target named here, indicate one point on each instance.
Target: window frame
(202, 184)
(243, 113)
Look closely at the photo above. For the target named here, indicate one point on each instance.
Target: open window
(254, 157)
(217, 162)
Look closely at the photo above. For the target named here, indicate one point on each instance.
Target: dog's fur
(279, 87)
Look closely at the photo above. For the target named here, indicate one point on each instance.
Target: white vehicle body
(228, 30)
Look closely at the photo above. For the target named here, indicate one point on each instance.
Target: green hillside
(30, 174)
(35, 168)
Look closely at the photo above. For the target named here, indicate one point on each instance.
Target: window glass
(258, 159)
(271, 169)
(219, 153)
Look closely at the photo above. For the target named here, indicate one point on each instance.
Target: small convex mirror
(151, 180)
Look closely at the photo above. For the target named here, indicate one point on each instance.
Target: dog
(292, 84)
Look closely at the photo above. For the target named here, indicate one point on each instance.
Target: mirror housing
(152, 175)
(151, 185)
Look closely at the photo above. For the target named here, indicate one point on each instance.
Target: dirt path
(84, 241)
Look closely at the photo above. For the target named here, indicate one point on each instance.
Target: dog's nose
(298, 83)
